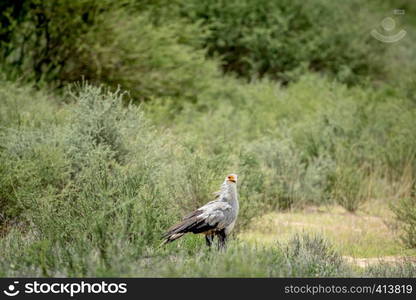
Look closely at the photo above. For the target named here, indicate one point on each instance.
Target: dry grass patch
(365, 234)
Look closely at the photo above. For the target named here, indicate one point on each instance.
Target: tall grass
(99, 182)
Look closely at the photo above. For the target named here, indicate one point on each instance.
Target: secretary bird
(216, 218)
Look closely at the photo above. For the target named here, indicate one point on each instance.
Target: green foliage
(347, 187)
(240, 260)
(42, 36)
(88, 181)
(147, 60)
(405, 211)
(313, 142)
(289, 181)
(21, 105)
(312, 255)
(77, 182)
(104, 181)
(403, 269)
(305, 256)
(155, 49)
(104, 42)
(283, 39)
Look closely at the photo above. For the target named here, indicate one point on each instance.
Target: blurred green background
(117, 117)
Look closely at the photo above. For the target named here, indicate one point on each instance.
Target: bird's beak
(231, 178)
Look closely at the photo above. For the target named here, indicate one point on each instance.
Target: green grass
(91, 174)
(89, 191)
(364, 234)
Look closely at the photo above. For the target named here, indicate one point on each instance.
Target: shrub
(313, 142)
(87, 187)
(403, 269)
(290, 182)
(96, 182)
(347, 187)
(405, 211)
(364, 137)
(303, 256)
(312, 255)
(100, 179)
(145, 59)
(118, 44)
(23, 106)
(42, 36)
(282, 39)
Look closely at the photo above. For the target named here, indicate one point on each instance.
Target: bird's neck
(229, 193)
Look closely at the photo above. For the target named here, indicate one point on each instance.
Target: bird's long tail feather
(172, 237)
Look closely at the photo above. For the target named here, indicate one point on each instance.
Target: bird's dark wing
(211, 216)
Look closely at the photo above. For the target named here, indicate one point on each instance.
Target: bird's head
(231, 178)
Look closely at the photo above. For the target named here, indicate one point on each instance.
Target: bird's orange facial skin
(231, 178)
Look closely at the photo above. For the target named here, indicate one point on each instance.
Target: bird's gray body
(216, 218)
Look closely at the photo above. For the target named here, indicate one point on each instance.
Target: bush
(313, 142)
(93, 173)
(290, 182)
(403, 269)
(282, 39)
(42, 36)
(99, 178)
(88, 181)
(118, 44)
(347, 187)
(96, 182)
(405, 211)
(312, 255)
(147, 60)
(303, 256)
(364, 137)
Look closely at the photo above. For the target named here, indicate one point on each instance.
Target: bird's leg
(208, 239)
(222, 239)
